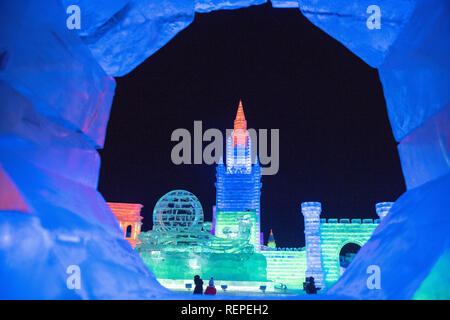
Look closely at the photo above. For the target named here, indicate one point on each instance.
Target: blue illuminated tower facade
(238, 185)
(311, 211)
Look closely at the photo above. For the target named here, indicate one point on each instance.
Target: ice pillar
(311, 211)
(213, 228)
(382, 208)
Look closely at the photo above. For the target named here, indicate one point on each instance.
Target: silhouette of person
(198, 285)
(211, 289)
(309, 286)
(305, 284)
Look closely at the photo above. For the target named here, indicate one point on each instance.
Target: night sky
(336, 143)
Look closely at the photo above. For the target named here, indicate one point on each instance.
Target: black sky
(336, 143)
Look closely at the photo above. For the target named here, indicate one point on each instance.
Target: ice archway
(56, 88)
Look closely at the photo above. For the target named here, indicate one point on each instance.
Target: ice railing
(350, 221)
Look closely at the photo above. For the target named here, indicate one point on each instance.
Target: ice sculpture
(180, 246)
(335, 235)
(271, 242)
(311, 211)
(238, 184)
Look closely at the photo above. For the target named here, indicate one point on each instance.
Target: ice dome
(177, 210)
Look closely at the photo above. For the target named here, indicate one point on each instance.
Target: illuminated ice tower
(311, 211)
(239, 146)
(239, 183)
(271, 242)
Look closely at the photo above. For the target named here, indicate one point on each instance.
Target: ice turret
(311, 211)
(239, 145)
(383, 208)
(271, 242)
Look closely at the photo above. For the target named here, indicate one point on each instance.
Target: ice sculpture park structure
(56, 89)
(230, 248)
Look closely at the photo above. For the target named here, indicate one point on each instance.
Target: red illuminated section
(240, 122)
(129, 217)
(240, 133)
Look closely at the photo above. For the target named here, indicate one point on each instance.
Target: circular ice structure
(177, 211)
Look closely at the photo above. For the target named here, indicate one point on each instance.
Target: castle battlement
(264, 248)
(348, 221)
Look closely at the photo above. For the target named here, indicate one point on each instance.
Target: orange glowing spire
(271, 242)
(240, 122)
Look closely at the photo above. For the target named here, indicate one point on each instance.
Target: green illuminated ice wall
(325, 240)
(180, 244)
(228, 224)
(334, 235)
(286, 266)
